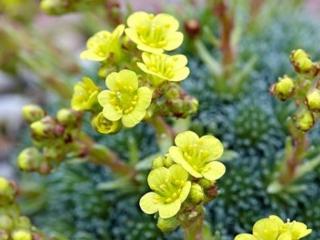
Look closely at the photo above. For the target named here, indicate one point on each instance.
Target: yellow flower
(198, 155)
(105, 126)
(84, 95)
(104, 44)
(154, 33)
(273, 228)
(125, 100)
(170, 189)
(163, 67)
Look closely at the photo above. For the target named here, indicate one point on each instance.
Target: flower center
(154, 35)
(125, 101)
(195, 155)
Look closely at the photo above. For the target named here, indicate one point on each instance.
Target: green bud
(6, 222)
(167, 161)
(4, 235)
(284, 88)
(23, 223)
(32, 113)
(55, 7)
(105, 126)
(30, 159)
(46, 128)
(67, 116)
(168, 224)
(313, 100)
(196, 193)
(158, 162)
(7, 191)
(304, 120)
(301, 61)
(172, 91)
(21, 235)
(205, 183)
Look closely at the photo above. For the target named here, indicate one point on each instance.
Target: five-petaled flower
(104, 44)
(197, 155)
(273, 228)
(170, 189)
(84, 95)
(125, 100)
(154, 33)
(164, 67)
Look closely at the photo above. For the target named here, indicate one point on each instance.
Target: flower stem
(194, 225)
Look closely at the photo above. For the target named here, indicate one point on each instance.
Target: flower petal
(133, 118)
(186, 138)
(174, 40)
(138, 18)
(178, 174)
(181, 74)
(266, 229)
(157, 177)
(176, 155)
(213, 146)
(149, 203)
(110, 113)
(169, 210)
(144, 98)
(185, 191)
(245, 236)
(213, 170)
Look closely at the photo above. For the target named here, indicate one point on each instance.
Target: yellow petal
(157, 177)
(149, 203)
(213, 170)
(177, 157)
(245, 236)
(138, 18)
(213, 146)
(144, 98)
(118, 31)
(185, 191)
(110, 113)
(286, 236)
(266, 229)
(147, 48)
(177, 173)
(167, 21)
(169, 210)
(186, 138)
(90, 55)
(180, 60)
(174, 40)
(104, 97)
(299, 230)
(181, 74)
(133, 118)
(122, 80)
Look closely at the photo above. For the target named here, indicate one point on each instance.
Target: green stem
(194, 226)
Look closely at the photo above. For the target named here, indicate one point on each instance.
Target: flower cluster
(14, 226)
(186, 174)
(138, 74)
(303, 90)
(273, 228)
(53, 138)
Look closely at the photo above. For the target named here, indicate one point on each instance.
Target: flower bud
(313, 100)
(55, 7)
(168, 224)
(196, 193)
(23, 223)
(301, 61)
(67, 116)
(6, 222)
(284, 88)
(304, 120)
(205, 183)
(192, 28)
(167, 161)
(105, 126)
(29, 159)
(32, 113)
(158, 162)
(21, 235)
(7, 191)
(46, 128)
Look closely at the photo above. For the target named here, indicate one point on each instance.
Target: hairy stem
(194, 225)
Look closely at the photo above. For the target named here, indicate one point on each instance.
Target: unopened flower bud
(55, 7)
(7, 191)
(105, 126)
(313, 100)
(205, 183)
(304, 120)
(192, 28)
(29, 159)
(23, 223)
(32, 113)
(196, 193)
(67, 116)
(6, 222)
(158, 162)
(172, 91)
(167, 161)
(284, 88)
(45, 128)
(21, 235)
(301, 61)
(168, 224)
